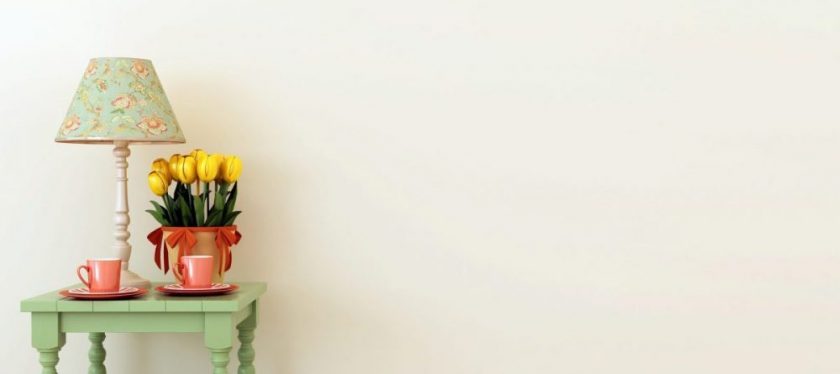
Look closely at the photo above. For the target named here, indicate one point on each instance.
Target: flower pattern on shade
(120, 99)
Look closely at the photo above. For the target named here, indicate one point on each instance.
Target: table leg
(246, 350)
(218, 337)
(48, 357)
(96, 354)
(220, 357)
(48, 339)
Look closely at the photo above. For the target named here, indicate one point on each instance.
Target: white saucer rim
(177, 287)
(85, 291)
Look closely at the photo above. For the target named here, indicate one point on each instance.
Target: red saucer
(179, 290)
(85, 294)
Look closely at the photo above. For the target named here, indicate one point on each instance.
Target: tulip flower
(198, 154)
(207, 168)
(162, 166)
(220, 175)
(231, 169)
(219, 159)
(173, 166)
(158, 183)
(197, 205)
(186, 169)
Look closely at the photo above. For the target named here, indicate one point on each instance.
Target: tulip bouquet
(188, 207)
(195, 219)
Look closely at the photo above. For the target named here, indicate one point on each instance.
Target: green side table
(53, 316)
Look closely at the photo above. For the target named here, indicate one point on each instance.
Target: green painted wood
(67, 305)
(241, 315)
(132, 322)
(96, 353)
(45, 330)
(247, 293)
(218, 330)
(215, 316)
(220, 357)
(48, 357)
(184, 306)
(151, 302)
(47, 339)
(110, 306)
(246, 349)
(40, 303)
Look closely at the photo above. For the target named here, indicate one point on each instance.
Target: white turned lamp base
(121, 219)
(129, 278)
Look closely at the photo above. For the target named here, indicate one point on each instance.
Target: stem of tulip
(207, 199)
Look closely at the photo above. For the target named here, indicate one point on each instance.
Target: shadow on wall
(218, 119)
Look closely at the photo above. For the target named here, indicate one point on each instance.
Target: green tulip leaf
(231, 218)
(231, 202)
(159, 208)
(170, 205)
(199, 211)
(214, 218)
(219, 199)
(176, 212)
(185, 213)
(158, 217)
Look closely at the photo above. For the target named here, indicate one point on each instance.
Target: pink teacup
(103, 274)
(194, 271)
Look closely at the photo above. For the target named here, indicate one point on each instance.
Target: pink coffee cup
(194, 271)
(103, 274)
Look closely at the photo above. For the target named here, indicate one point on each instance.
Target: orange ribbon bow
(156, 238)
(225, 238)
(184, 240)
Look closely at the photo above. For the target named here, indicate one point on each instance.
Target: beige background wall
(448, 186)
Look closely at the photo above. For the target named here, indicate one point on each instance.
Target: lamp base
(129, 278)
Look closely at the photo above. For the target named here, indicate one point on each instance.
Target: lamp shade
(120, 99)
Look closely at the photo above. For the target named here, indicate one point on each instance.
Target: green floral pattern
(120, 99)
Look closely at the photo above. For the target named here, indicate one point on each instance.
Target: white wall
(461, 186)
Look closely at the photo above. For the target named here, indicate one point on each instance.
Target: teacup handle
(177, 270)
(79, 274)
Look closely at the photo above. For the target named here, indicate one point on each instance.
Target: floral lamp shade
(120, 99)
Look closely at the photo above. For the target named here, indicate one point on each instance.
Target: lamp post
(120, 101)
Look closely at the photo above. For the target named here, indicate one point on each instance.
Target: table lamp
(120, 101)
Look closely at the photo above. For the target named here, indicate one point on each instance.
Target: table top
(153, 301)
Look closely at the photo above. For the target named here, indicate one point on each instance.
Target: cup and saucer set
(194, 275)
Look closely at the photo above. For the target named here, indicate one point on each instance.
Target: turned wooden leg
(218, 337)
(220, 357)
(96, 354)
(246, 350)
(48, 339)
(246, 337)
(48, 357)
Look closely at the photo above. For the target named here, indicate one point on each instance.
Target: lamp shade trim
(120, 99)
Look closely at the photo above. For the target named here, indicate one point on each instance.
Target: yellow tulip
(186, 169)
(231, 169)
(198, 154)
(221, 162)
(158, 183)
(173, 166)
(207, 168)
(162, 166)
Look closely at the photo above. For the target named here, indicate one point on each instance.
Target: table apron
(142, 322)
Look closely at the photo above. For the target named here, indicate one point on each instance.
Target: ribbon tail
(229, 261)
(236, 238)
(165, 260)
(156, 238)
(183, 240)
(224, 239)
